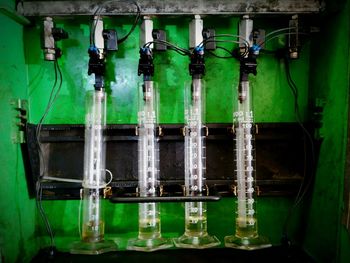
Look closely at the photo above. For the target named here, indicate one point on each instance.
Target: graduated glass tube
(149, 237)
(246, 236)
(94, 181)
(196, 235)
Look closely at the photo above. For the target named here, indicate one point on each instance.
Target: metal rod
(164, 199)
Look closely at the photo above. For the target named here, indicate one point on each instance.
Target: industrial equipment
(236, 159)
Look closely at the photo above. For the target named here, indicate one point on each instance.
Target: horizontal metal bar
(75, 133)
(169, 7)
(164, 199)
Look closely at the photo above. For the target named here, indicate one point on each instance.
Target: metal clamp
(206, 189)
(255, 129)
(107, 192)
(234, 189)
(204, 131)
(183, 190)
(256, 188)
(160, 131)
(183, 131)
(20, 110)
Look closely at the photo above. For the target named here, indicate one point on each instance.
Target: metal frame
(170, 7)
(62, 140)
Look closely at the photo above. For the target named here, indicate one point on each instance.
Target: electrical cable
(111, 176)
(279, 30)
(42, 212)
(210, 40)
(245, 42)
(68, 180)
(218, 56)
(292, 84)
(303, 188)
(93, 26)
(279, 35)
(98, 13)
(138, 16)
(168, 44)
(186, 52)
(38, 128)
(39, 189)
(225, 35)
(179, 50)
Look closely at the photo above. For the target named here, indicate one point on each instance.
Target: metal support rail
(170, 7)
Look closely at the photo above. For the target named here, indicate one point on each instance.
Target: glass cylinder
(94, 181)
(95, 144)
(149, 237)
(196, 235)
(246, 236)
(148, 148)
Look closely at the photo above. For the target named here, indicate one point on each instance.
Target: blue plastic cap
(255, 48)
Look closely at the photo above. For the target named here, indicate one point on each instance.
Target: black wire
(279, 35)
(186, 52)
(98, 13)
(179, 50)
(218, 56)
(246, 49)
(93, 26)
(138, 16)
(210, 39)
(39, 189)
(38, 128)
(303, 189)
(59, 87)
(39, 193)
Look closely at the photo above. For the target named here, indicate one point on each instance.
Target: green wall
(24, 74)
(17, 217)
(324, 232)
